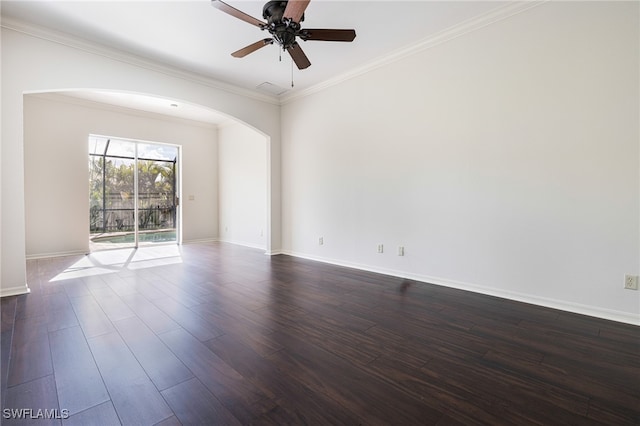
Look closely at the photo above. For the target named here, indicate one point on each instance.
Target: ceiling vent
(271, 88)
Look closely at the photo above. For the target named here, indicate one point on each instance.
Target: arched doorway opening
(52, 137)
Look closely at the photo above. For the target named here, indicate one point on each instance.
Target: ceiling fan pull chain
(292, 73)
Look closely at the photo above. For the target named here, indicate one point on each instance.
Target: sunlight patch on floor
(112, 261)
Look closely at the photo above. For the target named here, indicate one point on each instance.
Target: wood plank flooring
(221, 334)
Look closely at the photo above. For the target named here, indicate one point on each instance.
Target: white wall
(44, 62)
(505, 161)
(242, 190)
(56, 129)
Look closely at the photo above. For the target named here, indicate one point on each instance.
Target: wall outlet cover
(630, 282)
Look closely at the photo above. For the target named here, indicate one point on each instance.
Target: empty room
(320, 212)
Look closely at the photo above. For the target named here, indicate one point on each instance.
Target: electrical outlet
(400, 251)
(631, 282)
(380, 248)
(320, 241)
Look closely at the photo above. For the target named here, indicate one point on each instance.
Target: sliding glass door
(133, 193)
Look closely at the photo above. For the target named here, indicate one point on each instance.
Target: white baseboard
(57, 254)
(244, 244)
(200, 241)
(216, 240)
(15, 291)
(593, 311)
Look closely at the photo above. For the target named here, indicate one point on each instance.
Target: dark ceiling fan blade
(298, 56)
(327, 35)
(295, 9)
(220, 5)
(252, 48)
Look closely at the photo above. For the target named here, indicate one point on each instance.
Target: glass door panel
(112, 194)
(157, 200)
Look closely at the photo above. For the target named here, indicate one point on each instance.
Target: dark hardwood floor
(222, 334)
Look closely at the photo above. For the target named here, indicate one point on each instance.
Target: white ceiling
(192, 35)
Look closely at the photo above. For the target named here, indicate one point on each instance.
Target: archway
(57, 121)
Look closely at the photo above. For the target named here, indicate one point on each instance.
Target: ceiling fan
(283, 23)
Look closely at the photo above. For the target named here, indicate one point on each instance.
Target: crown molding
(458, 30)
(131, 59)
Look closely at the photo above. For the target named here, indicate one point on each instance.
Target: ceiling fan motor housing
(284, 31)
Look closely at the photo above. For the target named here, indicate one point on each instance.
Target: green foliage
(156, 200)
